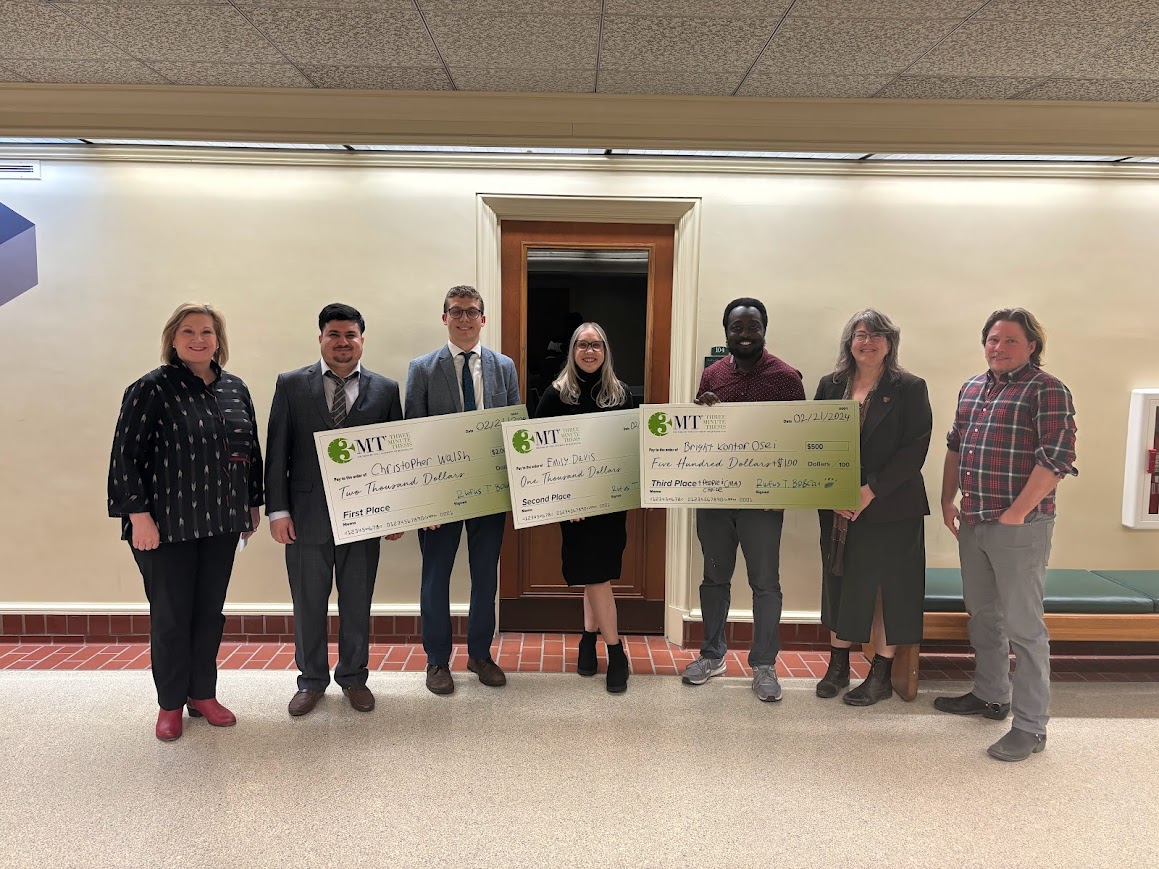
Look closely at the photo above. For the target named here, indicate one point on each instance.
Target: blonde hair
(169, 333)
(611, 392)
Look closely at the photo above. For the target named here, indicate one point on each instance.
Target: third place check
(776, 454)
(567, 467)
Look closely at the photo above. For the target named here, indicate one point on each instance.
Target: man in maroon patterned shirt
(1012, 441)
(748, 373)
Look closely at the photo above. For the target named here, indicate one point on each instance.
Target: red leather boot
(214, 712)
(169, 724)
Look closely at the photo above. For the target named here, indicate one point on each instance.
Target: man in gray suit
(462, 375)
(335, 392)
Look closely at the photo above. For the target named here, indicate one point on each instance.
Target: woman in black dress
(185, 479)
(593, 547)
(874, 557)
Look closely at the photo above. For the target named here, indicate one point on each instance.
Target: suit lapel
(446, 365)
(884, 401)
(360, 402)
(491, 386)
(318, 394)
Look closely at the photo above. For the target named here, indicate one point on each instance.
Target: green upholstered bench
(1104, 605)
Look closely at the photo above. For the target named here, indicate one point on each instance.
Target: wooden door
(533, 594)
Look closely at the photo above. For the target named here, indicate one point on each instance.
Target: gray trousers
(1003, 582)
(313, 570)
(759, 534)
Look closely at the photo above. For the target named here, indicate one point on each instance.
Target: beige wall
(121, 243)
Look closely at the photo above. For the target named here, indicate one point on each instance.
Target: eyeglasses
(460, 313)
(863, 337)
(596, 346)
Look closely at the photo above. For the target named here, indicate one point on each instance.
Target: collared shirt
(187, 453)
(771, 379)
(1005, 425)
(476, 371)
(351, 385)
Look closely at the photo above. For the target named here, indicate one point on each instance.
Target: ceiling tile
(818, 46)
(86, 71)
(914, 9)
(930, 87)
(623, 81)
(379, 78)
(35, 30)
(516, 41)
(697, 8)
(838, 87)
(681, 44)
(1102, 90)
(177, 32)
(544, 81)
(349, 37)
(238, 75)
(1071, 10)
(1136, 56)
(509, 7)
(376, 5)
(9, 75)
(1015, 48)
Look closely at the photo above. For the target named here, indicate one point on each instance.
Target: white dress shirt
(476, 372)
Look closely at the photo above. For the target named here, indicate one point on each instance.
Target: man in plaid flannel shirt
(1012, 441)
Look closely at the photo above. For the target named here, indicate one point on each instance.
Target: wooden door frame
(684, 214)
(642, 609)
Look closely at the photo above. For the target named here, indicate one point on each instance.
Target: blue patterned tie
(468, 381)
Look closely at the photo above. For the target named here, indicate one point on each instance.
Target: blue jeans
(439, 548)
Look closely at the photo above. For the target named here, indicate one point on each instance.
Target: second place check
(396, 476)
(568, 467)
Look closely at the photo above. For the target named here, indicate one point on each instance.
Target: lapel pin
(886, 399)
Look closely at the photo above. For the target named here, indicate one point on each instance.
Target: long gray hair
(873, 321)
(611, 392)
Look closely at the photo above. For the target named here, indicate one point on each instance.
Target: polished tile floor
(551, 653)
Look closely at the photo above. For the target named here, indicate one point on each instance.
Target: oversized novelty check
(395, 476)
(565, 467)
(772, 454)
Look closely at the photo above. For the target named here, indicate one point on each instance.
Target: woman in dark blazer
(874, 558)
(185, 479)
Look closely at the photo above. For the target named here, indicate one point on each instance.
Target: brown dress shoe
(304, 701)
(488, 672)
(439, 679)
(360, 697)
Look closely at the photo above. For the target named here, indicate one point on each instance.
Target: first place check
(751, 455)
(395, 476)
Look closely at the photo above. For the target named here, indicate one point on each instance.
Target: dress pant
(439, 547)
(758, 532)
(313, 570)
(186, 583)
(1003, 583)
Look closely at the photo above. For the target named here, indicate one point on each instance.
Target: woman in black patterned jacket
(185, 479)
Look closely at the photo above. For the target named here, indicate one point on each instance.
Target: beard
(753, 351)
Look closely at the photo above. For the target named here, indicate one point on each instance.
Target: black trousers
(314, 569)
(186, 584)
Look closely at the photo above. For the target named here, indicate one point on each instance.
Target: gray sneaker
(703, 669)
(765, 683)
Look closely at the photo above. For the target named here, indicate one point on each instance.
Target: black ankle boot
(617, 669)
(587, 663)
(879, 685)
(837, 676)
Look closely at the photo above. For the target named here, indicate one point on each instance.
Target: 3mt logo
(658, 424)
(521, 441)
(339, 451)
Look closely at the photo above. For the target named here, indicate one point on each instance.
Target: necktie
(468, 381)
(338, 402)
